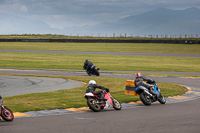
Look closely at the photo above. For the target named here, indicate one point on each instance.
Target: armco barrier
(103, 41)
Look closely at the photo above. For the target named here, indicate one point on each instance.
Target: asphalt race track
(170, 118)
(178, 117)
(17, 85)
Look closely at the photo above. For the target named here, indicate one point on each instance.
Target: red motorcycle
(96, 105)
(5, 112)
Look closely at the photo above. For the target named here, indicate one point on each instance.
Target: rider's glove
(107, 89)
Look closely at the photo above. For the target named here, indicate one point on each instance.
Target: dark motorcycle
(5, 112)
(93, 71)
(148, 97)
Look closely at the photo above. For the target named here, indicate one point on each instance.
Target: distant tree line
(122, 38)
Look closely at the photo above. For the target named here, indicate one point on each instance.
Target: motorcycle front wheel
(7, 114)
(96, 72)
(146, 99)
(93, 105)
(116, 104)
(162, 99)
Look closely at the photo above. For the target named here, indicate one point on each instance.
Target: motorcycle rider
(92, 87)
(87, 65)
(140, 81)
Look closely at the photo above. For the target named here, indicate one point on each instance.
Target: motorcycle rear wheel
(146, 100)
(162, 99)
(116, 104)
(88, 72)
(7, 114)
(93, 105)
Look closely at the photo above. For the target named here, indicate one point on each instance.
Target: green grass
(105, 62)
(74, 97)
(105, 47)
(150, 74)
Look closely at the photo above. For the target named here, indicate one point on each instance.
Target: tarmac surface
(18, 85)
(181, 117)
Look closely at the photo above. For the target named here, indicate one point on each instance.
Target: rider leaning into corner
(87, 65)
(92, 87)
(140, 81)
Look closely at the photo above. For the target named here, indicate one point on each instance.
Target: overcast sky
(67, 13)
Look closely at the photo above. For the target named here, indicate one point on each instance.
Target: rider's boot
(103, 100)
(98, 68)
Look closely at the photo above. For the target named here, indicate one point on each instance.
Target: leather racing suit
(140, 81)
(87, 65)
(92, 87)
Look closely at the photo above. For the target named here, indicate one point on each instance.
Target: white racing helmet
(92, 82)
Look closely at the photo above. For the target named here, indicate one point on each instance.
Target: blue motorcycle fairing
(92, 67)
(140, 88)
(156, 89)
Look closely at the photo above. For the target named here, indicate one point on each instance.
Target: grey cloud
(93, 6)
(73, 12)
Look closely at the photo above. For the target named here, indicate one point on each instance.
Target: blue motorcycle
(148, 97)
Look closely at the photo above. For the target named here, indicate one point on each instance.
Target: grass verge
(105, 47)
(105, 62)
(154, 74)
(74, 97)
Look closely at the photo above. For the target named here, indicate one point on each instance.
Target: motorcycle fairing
(108, 105)
(109, 100)
(156, 90)
(140, 89)
(92, 67)
(89, 94)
